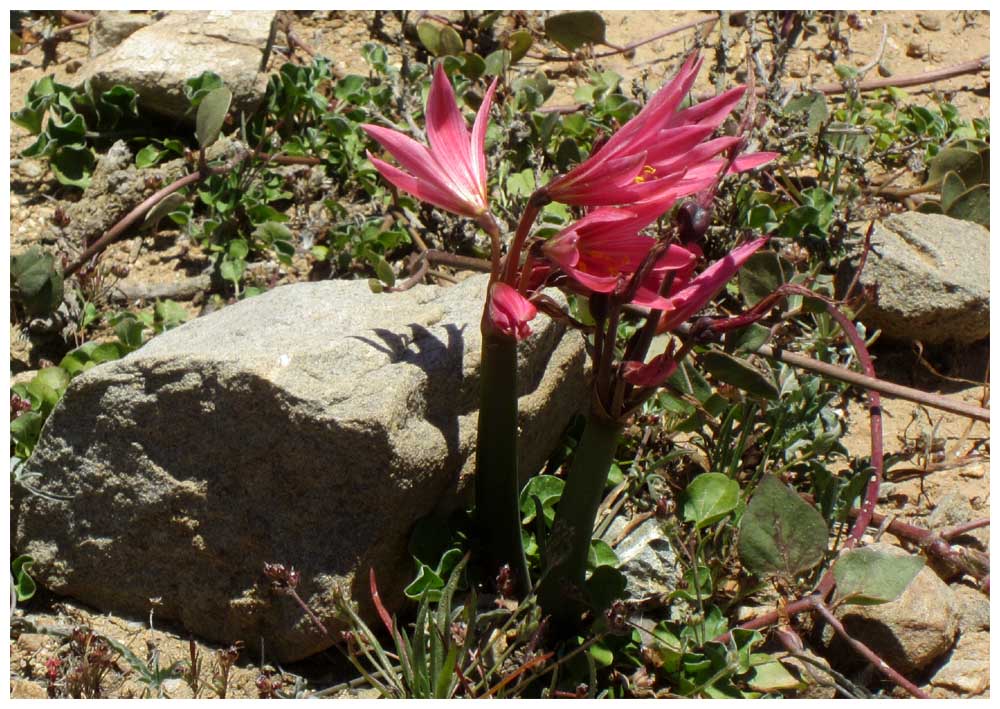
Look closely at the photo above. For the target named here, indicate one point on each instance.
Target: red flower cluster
(659, 157)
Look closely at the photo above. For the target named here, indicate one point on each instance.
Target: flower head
(509, 311)
(451, 173)
(604, 247)
(661, 154)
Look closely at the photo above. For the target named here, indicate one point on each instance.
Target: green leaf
(572, 30)
(36, 281)
(739, 373)
(813, 105)
(165, 206)
(129, 332)
(519, 43)
(602, 654)
(869, 576)
(605, 586)
(769, 675)
(24, 585)
(497, 62)
(212, 115)
(73, 165)
(972, 205)
(601, 554)
(709, 498)
(451, 41)
(780, 533)
(548, 489)
(473, 65)
(965, 163)
(384, 271)
(761, 275)
(429, 34)
(747, 339)
(951, 187)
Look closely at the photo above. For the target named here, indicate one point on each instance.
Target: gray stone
(910, 632)
(646, 557)
(932, 278)
(158, 59)
(310, 426)
(111, 27)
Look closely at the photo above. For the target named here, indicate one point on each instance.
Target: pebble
(930, 22)
(915, 49)
(32, 169)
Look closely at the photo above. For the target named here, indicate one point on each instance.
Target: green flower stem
(497, 511)
(561, 592)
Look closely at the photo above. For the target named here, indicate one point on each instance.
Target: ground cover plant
(694, 238)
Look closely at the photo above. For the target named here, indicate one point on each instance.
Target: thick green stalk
(562, 590)
(497, 510)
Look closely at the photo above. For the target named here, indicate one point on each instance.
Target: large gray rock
(309, 426)
(909, 633)
(932, 277)
(158, 59)
(111, 27)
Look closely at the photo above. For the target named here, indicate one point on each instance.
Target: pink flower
(603, 247)
(660, 154)
(510, 311)
(451, 174)
(693, 296)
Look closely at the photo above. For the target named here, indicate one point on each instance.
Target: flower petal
(652, 373)
(705, 285)
(449, 137)
(510, 311)
(422, 189)
(479, 138)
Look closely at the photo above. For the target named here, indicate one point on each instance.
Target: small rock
(30, 643)
(884, 69)
(73, 66)
(930, 22)
(32, 169)
(24, 689)
(931, 276)
(646, 557)
(908, 633)
(798, 68)
(915, 49)
(967, 670)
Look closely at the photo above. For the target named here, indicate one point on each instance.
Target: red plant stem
(115, 232)
(960, 529)
(136, 214)
(514, 254)
(880, 664)
(933, 543)
(936, 401)
(878, 464)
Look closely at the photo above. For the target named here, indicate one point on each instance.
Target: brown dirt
(956, 466)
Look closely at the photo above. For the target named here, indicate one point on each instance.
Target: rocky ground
(943, 481)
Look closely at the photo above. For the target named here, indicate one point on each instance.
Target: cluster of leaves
(76, 118)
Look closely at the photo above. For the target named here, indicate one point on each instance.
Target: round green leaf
(212, 115)
(429, 34)
(451, 41)
(965, 163)
(497, 62)
(519, 43)
(951, 187)
(762, 274)
(780, 533)
(572, 30)
(869, 576)
(972, 205)
(709, 498)
(473, 65)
